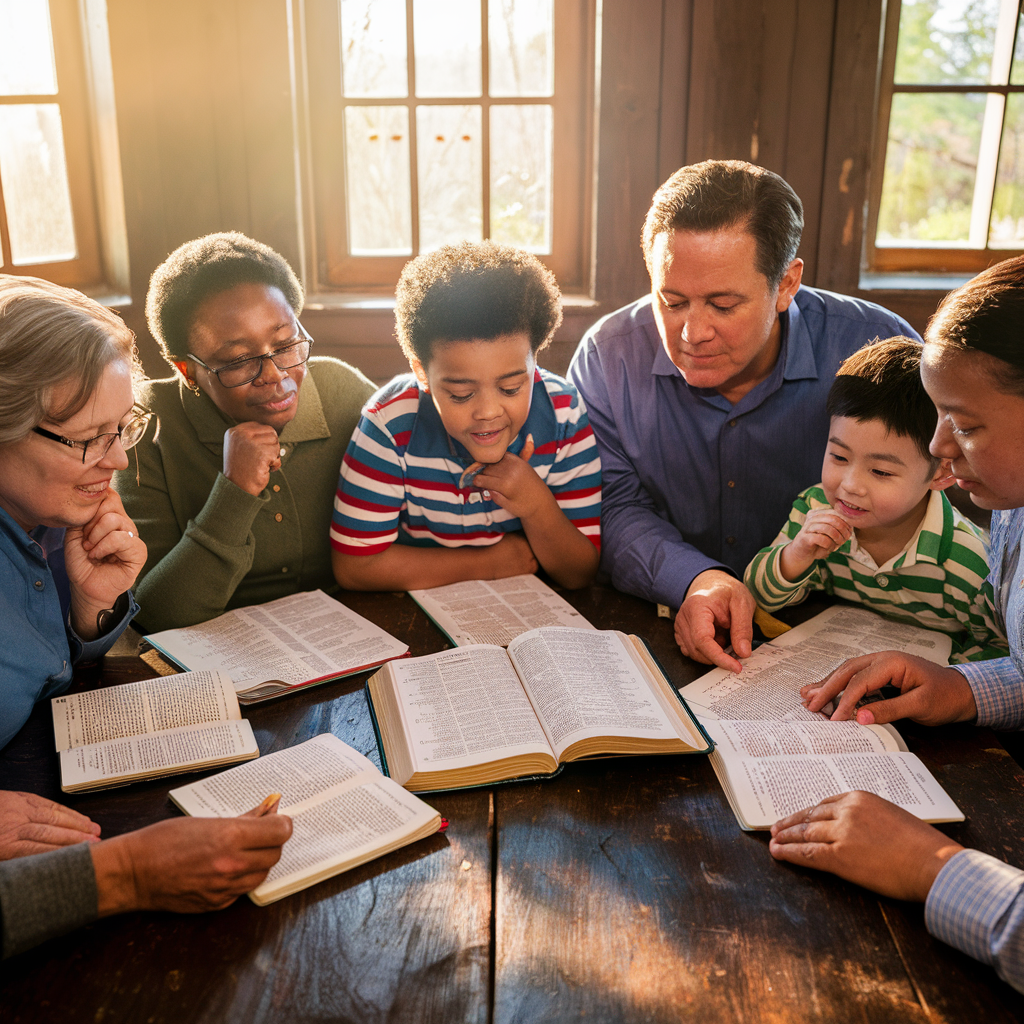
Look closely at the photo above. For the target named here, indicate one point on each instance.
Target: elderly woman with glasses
(68, 551)
(235, 482)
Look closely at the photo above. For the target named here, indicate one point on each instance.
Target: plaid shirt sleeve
(998, 691)
(975, 904)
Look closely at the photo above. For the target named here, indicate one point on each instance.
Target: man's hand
(823, 532)
(718, 610)
(252, 451)
(103, 560)
(187, 865)
(867, 840)
(930, 694)
(32, 824)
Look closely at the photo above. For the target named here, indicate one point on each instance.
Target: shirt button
(882, 581)
(38, 584)
(730, 540)
(283, 453)
(279, 517)
(732, 423)
(277, 487)
(732, 483)
(284, 568)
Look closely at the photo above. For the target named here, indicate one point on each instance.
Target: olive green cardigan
(213, 546)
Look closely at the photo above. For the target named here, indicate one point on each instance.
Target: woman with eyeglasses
(69, 553)
(235, 477)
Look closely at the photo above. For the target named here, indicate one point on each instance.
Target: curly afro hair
(207, 266)
(475, 290)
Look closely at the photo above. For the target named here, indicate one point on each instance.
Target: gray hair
(51, 337)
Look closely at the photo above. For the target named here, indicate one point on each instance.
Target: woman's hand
(32, 824)
(252, 451)
(103, 559)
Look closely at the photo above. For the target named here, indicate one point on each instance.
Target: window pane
(373, 48)
(521, 176)
(521, 34)
(946, 41)
(377, 165)
(35, 183)
(448, 153)
(1007, 229)
(1017, 69)
(26, 52)
(447, 41)
(930, 165)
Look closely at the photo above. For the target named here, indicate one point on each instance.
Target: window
(951, 195)
(433, 121)
(49, 225)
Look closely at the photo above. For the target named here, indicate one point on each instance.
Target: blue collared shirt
(690, 481)
(38, 647)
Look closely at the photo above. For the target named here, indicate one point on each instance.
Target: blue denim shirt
(689, 481)
(38, 647)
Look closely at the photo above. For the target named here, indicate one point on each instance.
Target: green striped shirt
(937, 581)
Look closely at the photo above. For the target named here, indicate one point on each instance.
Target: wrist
(708, 578)
(932, 865)
(116, 888)
(793, 564)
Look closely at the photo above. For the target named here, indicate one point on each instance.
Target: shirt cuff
(92, 650)
(998, 692)
(968, 899)
(45, 895)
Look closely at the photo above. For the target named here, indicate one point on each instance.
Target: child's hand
(823, 532)
(514, 485)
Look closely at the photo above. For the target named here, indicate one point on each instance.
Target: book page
(769, 685)
(464, 706)
(772, 739)
(342, 809)
(584, 684)
(496, 611)
(292, 640)
(151, 705)
(161, 753)
(769, 788)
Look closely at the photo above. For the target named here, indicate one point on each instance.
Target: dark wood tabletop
(622, 890)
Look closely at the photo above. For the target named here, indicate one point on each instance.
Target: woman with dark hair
(235, 481)
(973, 370)
(68, 552)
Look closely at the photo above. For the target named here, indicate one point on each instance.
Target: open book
(477, 715)
(270, 649)
(343, 811)
(773, 756)
(145, 730)
(495, 611)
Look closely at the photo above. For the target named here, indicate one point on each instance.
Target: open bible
(283, 645)
(477, 715)
(343, 811)
(496, 611)
(145, 730)
(773, 756)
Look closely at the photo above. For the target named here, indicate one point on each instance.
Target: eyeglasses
(245, 371)
(95, 448)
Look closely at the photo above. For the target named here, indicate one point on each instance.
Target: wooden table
(620, 891)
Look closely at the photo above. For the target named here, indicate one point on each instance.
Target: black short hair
(717, 194)
(882, 381)
(474, 290)
(207, 266)
(985, 315)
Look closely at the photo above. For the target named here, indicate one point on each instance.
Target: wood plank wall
(208, 132)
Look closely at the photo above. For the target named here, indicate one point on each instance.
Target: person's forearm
(791, 565)
(564, 553)
(404, 567)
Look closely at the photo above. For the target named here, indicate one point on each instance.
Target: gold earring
(192, 386)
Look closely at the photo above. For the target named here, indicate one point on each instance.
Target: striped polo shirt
(400, 475)
(937, 581)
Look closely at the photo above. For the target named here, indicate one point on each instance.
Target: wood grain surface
(622, 890)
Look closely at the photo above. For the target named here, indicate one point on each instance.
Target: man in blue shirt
(707, 397)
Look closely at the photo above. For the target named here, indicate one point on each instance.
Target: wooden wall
(207, 114)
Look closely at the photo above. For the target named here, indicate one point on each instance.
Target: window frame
(73, 99)
(897, 259)
(572, 103)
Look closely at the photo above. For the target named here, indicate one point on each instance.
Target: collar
(37, 544)
(931, 544)
(796, 346)
(308, 424)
